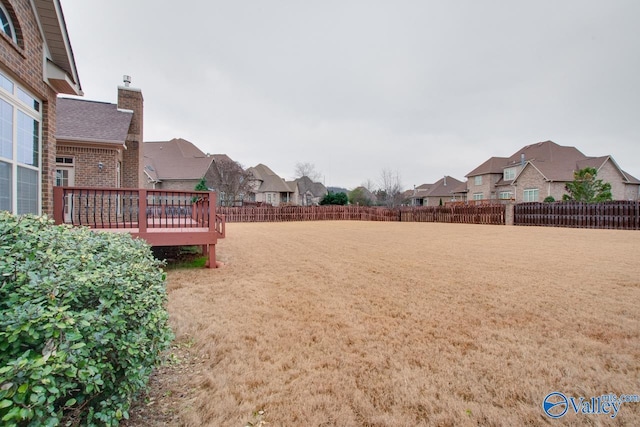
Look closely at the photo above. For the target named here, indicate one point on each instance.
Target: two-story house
(36, 64)
(540, 170)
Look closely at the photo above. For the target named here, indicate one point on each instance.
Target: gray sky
(427, 88)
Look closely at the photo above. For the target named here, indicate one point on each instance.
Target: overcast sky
(425, 88)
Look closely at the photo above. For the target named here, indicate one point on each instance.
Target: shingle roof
(306, 184)
(493, 165)
(555, 162)
(444, 187)
(91, 121)
(270, 182)
(175, 159)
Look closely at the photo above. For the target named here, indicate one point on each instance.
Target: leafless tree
(230, 180)
(307, 169)
(369, 185)
(391, 187)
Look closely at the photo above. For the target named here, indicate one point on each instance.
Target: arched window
(7, 25)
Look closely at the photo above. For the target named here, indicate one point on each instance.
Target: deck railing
(118, 208)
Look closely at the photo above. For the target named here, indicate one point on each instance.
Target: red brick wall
(86, 161)
(23, 63)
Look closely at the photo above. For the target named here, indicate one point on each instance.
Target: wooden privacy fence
(460, 214)
(620, 215)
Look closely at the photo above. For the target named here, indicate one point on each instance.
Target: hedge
(82, 322)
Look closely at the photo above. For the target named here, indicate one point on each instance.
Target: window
(7, 25)
(478, 196)
(20, 148)
(477, 180)
(531, 195)
(505, 195)
(509, 174)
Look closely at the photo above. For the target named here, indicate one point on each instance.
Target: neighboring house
(176, 165)
(446, 189)
(269, 188)
(99, 143)
(540, 170)
(306, 192)
(36, 64)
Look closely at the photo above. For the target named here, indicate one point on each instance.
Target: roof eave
(84, 141)
(60, 80)
(58, 48)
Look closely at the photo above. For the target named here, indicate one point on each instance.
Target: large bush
(82, 322)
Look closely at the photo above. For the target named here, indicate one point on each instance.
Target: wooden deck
(170, 218)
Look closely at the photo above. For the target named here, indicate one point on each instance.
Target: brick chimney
(132, 162)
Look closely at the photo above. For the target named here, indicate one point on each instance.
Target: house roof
(305, 184)
(60, 65)
(91, 121)
(444, 187)
(493, 165)
(269, 181)
(555, 162)
(175, 159)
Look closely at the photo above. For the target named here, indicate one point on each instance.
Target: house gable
(60, 66)
(39, 61)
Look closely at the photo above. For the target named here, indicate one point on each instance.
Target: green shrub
(82, 322)
(334, 199)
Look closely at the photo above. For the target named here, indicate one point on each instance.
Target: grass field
(401, 324)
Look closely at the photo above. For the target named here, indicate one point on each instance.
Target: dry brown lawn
(401, 324)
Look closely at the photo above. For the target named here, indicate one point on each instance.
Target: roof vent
(127, 80)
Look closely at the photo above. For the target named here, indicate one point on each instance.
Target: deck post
(211, 261)
(58, 205)
(142, 210)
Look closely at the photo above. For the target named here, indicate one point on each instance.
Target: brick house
(306, 192)
(36, 64)
(269, 188)
(446, 189)
(540, 170)
(176, 165)
(99, 143)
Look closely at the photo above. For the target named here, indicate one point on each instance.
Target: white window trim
(477, 180)
(13, 36)
(18, 104)
(509, 174)
(528, 192)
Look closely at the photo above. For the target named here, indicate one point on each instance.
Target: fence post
(509, 214)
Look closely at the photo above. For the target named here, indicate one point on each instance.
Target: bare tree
(369, 185)
(230, 180)
(307, 169)
(390, 187)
